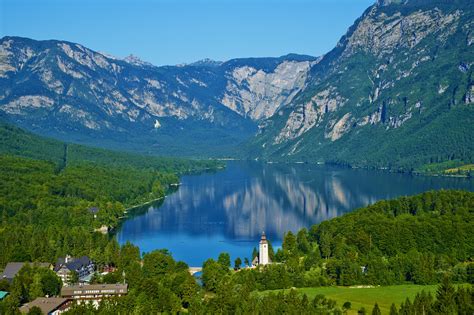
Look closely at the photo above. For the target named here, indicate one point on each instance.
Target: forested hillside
(18, 142)
(46, 213)
(48, 190)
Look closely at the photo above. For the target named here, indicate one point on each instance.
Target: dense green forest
(46, 213)
(16, 141)
(49, 191)
(421, 239)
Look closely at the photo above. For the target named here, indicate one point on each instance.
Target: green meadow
(366, 297)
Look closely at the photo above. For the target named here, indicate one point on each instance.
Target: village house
(94, 292)
(12, 268)
(82, 265)
(49, 306)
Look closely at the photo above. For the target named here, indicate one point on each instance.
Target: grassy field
(456, 168)
(461, 169)
(366, 297)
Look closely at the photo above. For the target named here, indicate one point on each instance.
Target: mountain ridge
(392, 92)
(395, 92)
(65, 90)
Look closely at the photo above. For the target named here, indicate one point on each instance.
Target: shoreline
(112, 229)
(174, 186)
(385, 169)
(143, 204)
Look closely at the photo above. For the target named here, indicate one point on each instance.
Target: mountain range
(395, 92)
(70, 92)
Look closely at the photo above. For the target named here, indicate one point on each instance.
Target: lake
(226, 211)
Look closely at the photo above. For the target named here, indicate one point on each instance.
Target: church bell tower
(263, 258)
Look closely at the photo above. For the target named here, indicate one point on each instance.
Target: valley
(339, 183)
(395, 93)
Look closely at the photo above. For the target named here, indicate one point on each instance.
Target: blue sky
(183, 31)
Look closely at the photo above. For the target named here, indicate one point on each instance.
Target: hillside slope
(17, 142)
(396, 92)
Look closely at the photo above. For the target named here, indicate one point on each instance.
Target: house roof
(3, 294)
(12, 268)
(74, 264)
(255, 260)
(94, 289)
(93, 210)
(47, 305)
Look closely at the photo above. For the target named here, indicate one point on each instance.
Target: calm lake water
(227, 211)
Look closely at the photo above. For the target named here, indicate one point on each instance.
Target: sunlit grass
(367, 297)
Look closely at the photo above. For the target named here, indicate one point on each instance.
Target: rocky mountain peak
(382, 30)
(206, 62)
(389, 2)
(136, 61)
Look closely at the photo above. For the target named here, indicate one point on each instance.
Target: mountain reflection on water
(229, 209)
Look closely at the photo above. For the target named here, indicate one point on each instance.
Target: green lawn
(366, 297)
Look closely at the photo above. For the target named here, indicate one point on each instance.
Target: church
(262, 258)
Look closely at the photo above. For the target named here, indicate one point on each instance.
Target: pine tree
(289, 244)
(464, 300)
(271, 251)
(246, 261)
(405, 308)
(237, 263)
(393, 309)
(224, 260)
(422, 303)
(325, 244)
(302, 241)
(254, 253)
(304, 301)
(376, 310)
(346, 306)
(445, 296)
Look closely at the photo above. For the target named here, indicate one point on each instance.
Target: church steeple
(263, 258)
